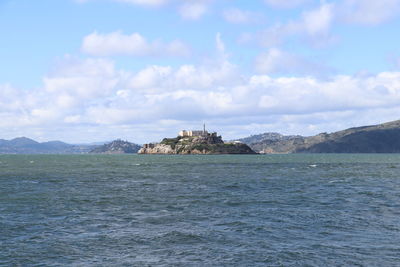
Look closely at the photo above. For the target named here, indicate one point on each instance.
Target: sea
(200, 210)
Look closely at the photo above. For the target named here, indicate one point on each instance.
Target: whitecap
(337, 181)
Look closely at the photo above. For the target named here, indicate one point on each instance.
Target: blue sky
(93, 70)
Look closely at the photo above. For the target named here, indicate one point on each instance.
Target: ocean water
(231, 210)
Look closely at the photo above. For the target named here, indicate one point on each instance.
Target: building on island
(202, 133)
(185, 133)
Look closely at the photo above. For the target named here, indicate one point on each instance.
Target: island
(196, 142)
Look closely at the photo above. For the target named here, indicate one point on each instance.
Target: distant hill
(266, 136)
(117, 147)
(381, 138)
(23, 145)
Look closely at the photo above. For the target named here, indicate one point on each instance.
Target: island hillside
(196, 142)
(116, 147)
(381, 138)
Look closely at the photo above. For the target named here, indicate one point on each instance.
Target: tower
(204, 129)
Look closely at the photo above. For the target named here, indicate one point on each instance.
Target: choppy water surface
(138, 210)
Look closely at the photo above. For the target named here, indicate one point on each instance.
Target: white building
(185, 133)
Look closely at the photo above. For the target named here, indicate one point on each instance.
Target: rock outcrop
(196, 145)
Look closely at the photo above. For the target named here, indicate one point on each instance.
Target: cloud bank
(93, 93)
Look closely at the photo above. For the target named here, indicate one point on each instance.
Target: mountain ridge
(24, 145)
(379, 138)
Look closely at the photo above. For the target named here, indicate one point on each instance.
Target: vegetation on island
(171, 141)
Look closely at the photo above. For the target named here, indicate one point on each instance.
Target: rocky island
(196, 142)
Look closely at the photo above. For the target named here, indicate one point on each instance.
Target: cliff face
(156, 149)
(382, 138)
(117, 147)
(195, 145)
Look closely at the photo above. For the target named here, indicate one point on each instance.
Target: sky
(85, 71)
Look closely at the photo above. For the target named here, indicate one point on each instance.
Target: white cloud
(157, 79)
(276, 61)
(193, 10)
(239, 16)
(145, 2)
(313, 25)
(286, 3)
(117, 43)
(150, 77)
(317, 22)
(368, 12)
